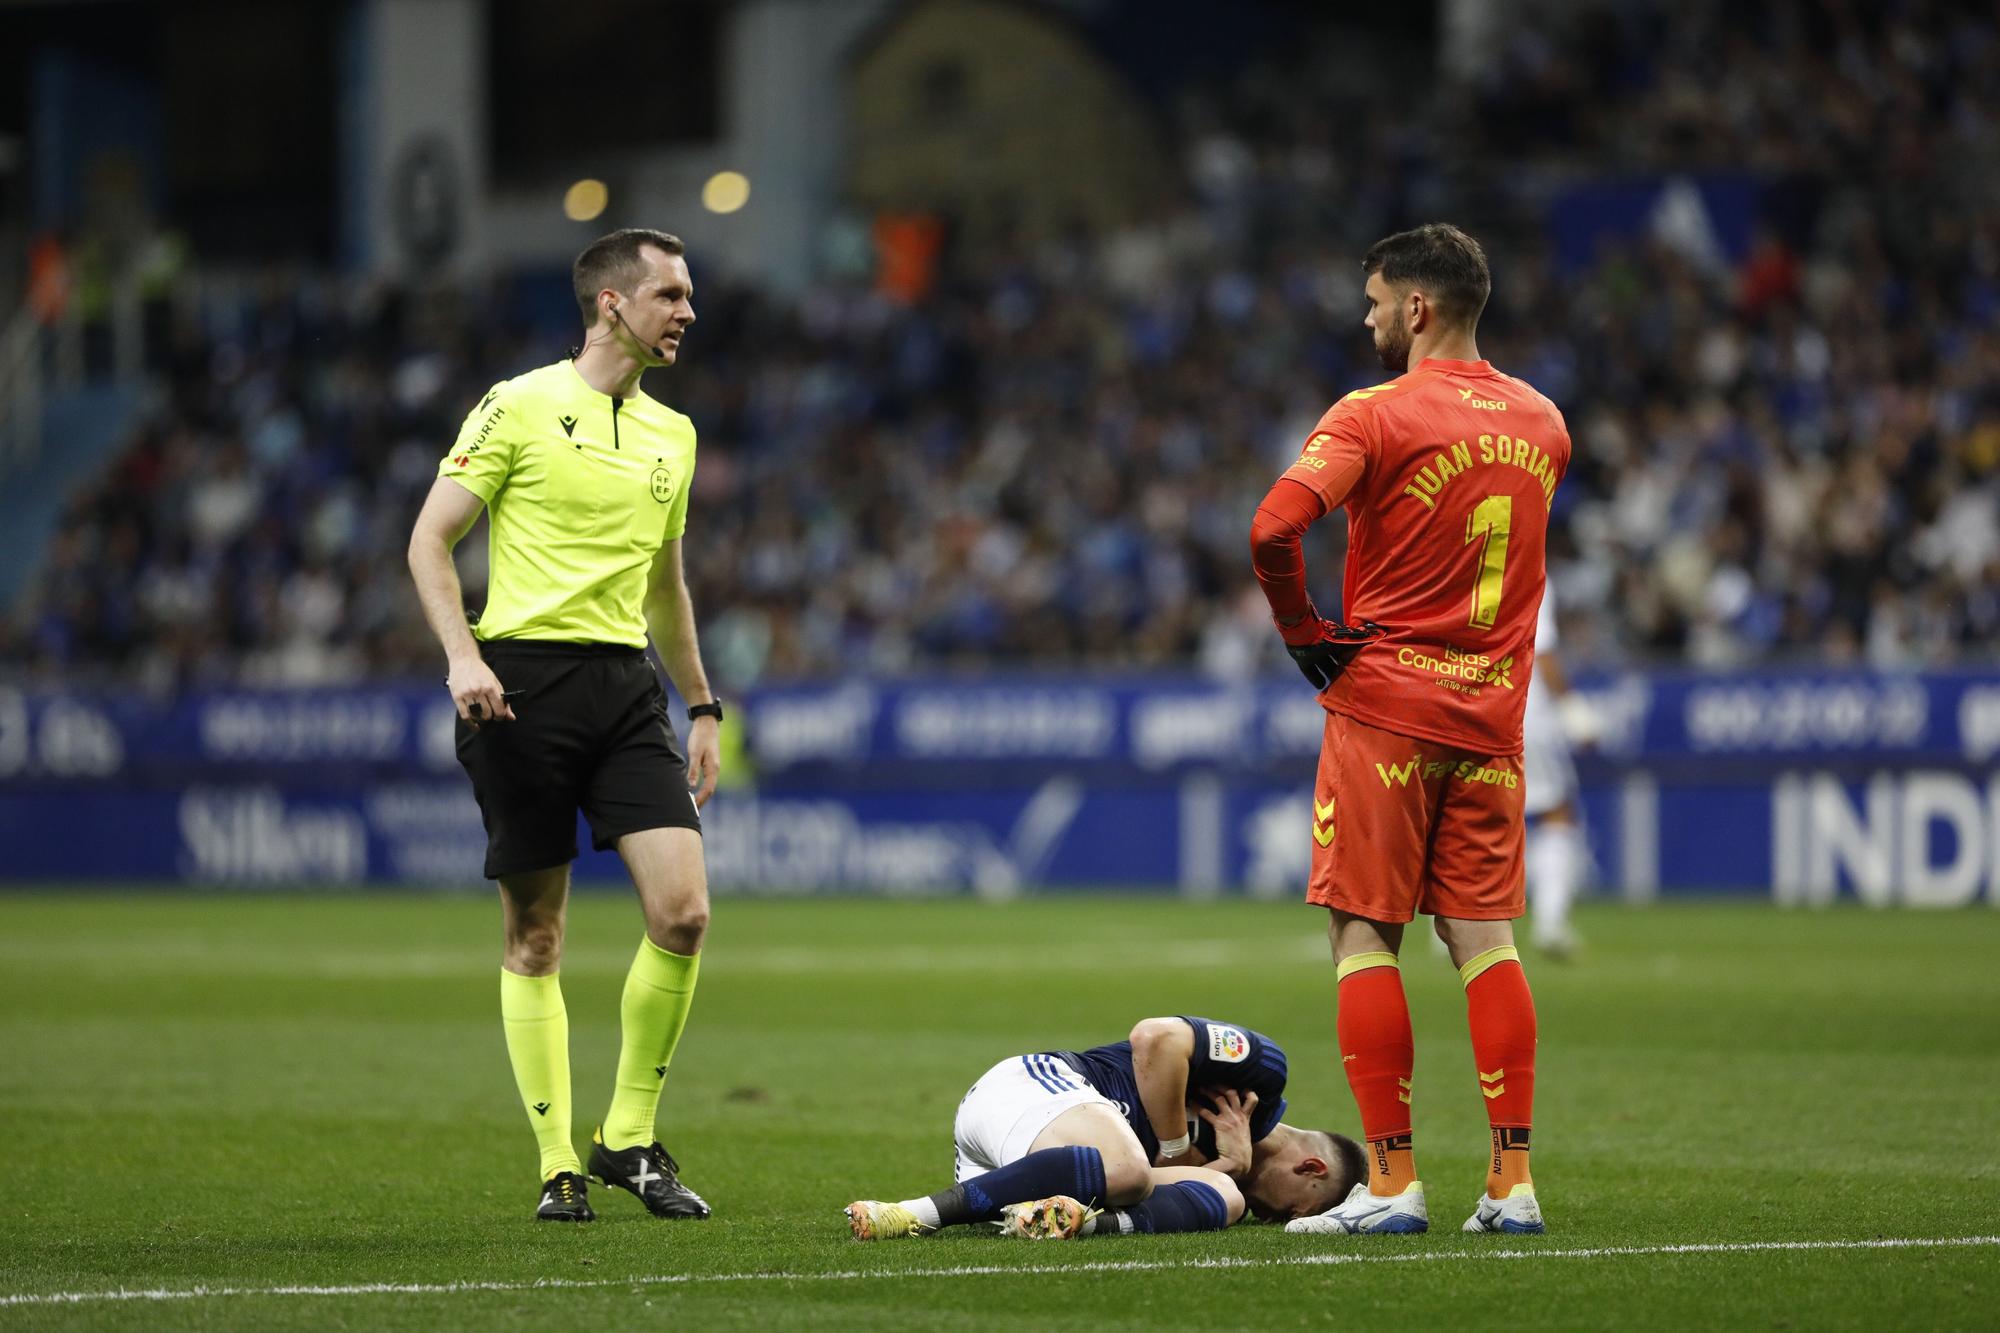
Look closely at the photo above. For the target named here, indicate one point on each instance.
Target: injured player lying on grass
(1178, 1128)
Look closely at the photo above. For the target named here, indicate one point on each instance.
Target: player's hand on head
(704, 759)
(1226, 1104)
(476, 692)
(1322, 648)
(1229, 1112)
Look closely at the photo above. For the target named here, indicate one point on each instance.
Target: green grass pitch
(311, 1092)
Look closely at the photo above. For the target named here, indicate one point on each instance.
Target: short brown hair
(613, 261)
(1347, 1158)
(1448, 265)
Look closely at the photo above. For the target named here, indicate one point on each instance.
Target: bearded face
(1392, 339)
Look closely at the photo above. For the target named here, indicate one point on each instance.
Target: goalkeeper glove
(1323, 648)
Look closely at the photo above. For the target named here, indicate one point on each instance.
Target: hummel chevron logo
(541, 1108)
(1322, 822)
(1493, 1078)
(568, 425)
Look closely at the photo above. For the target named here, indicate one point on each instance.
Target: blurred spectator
(1050, 455)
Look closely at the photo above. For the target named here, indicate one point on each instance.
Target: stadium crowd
(1052, 458)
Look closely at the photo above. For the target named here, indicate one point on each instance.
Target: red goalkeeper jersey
(1447, 525)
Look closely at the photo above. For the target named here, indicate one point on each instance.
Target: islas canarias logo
(1460, 667)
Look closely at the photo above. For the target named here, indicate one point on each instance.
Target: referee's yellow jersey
(581, 490)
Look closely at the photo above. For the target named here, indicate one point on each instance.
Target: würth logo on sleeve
(487, 429)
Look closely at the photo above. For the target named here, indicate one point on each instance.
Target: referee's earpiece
(659, 352)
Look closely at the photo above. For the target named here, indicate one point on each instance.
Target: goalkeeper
(1177, 1128)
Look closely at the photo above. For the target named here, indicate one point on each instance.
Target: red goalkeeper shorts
(1402, 826)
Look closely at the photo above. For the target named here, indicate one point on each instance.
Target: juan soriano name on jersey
(1435, 475)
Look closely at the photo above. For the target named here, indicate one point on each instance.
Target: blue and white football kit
(1015, 1100)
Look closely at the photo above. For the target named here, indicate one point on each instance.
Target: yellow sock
(658, 991)
(1509, 1164)
(1393, 1165)
(531, 1008)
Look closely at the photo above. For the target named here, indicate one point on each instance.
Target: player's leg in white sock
(1555, 866)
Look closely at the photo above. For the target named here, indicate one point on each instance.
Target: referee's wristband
(713, 708)
(1171, 1148)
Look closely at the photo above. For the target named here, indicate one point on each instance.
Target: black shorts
(590, 733)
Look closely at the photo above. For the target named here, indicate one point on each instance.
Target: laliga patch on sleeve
(1229, 1045)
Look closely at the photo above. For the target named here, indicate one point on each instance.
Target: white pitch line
(996, 1270)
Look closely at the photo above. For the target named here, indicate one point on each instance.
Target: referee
(586, 481)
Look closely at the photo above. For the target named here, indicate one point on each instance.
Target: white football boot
(1519, 1213)
(1363, 1212)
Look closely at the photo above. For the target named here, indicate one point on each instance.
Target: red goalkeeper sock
(1501, 1013)
(1377, 1052)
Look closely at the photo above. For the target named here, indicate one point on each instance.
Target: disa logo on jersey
(1229, 1045)
(1309, 458)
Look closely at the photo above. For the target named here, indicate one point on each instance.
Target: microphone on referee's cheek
(657, 351)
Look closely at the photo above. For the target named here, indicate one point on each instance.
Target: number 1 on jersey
(1488, 525)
